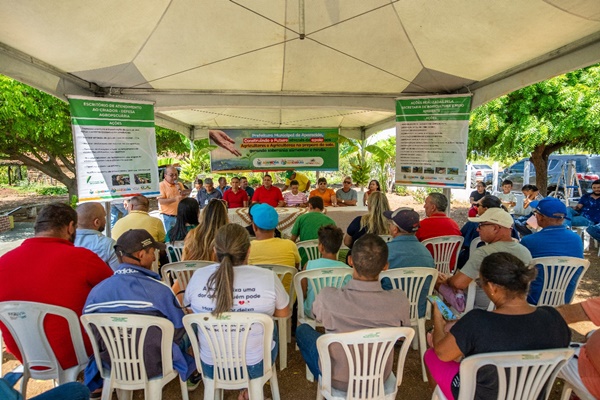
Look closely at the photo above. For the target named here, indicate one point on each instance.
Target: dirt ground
(292, 382)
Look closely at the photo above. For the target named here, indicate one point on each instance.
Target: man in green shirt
(307, 225)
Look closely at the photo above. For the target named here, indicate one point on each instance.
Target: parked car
(479, 172)
(586, 166)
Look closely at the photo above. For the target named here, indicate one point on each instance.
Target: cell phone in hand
(444, 309)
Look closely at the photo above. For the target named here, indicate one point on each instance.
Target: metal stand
(569, 181)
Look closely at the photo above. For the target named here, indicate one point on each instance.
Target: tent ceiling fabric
(242, 63)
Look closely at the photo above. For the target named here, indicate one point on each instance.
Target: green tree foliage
(35, 129)
(361, 156)
(169, 142)
(198, 162)
(562, 113)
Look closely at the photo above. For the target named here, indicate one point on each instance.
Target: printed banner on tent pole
(274, 149)
(115, 148)
(431, 140)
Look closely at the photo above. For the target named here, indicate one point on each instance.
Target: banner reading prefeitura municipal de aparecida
(431, 140)
(115, 148)
(274, 149)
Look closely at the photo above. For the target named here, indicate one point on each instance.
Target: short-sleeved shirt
(591, 207)
(478, 196)
(302, 181)
(235, 200)
(169, 191)
(349, 195)
(255, 289)
(292, 199)
(471, 268)
(589, 356)
(52, 271)
(306, 226)
(140, 220)
(437, 224)
(271, 196)
(480, 331)
(320, 263)
(327, 196)
(275, 251)
(549, 242)
(358, 305)
(204, 197)
(223, 190)
(103, 246)
(250, 191)
(507, 198)
(355, 231)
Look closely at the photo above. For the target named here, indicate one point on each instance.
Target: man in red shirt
(236, 197)
(268, 193)
(50, 269)
(437, 222)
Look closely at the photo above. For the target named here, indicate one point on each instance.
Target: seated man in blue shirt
(553, 240)
(405, 250)
(136, 289)
(589, 211)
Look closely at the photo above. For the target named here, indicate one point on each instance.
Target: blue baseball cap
(264, 216)
(550, 207)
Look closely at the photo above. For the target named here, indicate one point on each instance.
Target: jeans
(67, 391)
(115, 209)
(168, 221)
(254, 371)
(306, 339)
(594, 231)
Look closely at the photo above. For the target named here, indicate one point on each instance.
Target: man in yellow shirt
(303, 181)
(138, 218)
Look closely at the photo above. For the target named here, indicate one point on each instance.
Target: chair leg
(274, 386)
(184, 391)
(24, 381)
(128, 394)
(309, 375)
(421, 336)
(255, 389)
(283, 333)
(415, 342)
(289, 330)
(209, 389)
(566, 392)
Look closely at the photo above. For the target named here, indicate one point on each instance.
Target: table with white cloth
(287, 216)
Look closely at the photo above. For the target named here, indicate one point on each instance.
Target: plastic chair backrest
(521, 374)
(558, 272)
(474, 245)
(367, 352)
(25, 322)
(174, 252)
(311, 248)
(386, 238)
(444, 250)
(182, 271)
(318, 279)
(227, 337)
(124, 336)
(283, 272)
(412, 282)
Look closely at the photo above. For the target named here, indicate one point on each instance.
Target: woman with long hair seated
(514, 325)
(373, 222)
(374, 186)
(212, 289)
(187, 219)
(198, 244)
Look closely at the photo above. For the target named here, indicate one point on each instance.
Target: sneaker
(193, 382)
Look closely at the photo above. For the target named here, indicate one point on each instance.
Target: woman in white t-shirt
(233, 285)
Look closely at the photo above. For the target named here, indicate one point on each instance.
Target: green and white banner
(274, 149)
(431, 140)
(115, 148)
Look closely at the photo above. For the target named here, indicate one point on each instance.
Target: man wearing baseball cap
(135, 288)
(495, 227)
(267, 249)
(303, 181)
(553, 240)
(405, 250)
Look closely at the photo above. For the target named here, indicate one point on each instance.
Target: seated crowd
(87, 272)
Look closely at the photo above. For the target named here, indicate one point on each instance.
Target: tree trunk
(539, 158)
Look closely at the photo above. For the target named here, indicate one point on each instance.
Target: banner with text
(274, 149)
(431, 140)
(115, 148)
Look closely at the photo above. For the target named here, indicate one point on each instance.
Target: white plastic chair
(386, 238)
(24, 320)
(123, 336)
(367, 352)
(568, 389)
(470, 300)
(316, 280)
(182, 271)
(523, 375)
(474, 245)
(412, 282)
(284, 324)
(443, 248)
(558, 272)
(174, 253)
(227, 337)
(311, 248)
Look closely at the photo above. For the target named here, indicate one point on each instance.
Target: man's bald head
(139, 203)
(91, 216)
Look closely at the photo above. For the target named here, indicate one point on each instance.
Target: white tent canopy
(292, 63)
